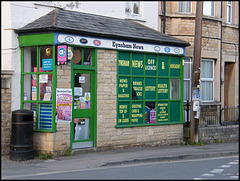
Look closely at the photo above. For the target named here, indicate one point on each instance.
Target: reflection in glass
(82, 94)
(150, 112)
(81, 128)
(30, 58)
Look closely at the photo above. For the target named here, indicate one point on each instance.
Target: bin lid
(23, 111)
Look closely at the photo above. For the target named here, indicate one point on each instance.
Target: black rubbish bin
(21, 147)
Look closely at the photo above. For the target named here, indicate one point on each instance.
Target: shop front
(95, 90)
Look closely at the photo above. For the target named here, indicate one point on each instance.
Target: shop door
(82, 127)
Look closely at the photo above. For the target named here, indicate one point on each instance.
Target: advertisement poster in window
(63, 105)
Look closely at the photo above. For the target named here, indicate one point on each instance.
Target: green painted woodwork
(36, 39)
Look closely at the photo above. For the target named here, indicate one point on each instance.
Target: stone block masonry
(110, 137)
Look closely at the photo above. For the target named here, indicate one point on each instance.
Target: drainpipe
(221, 81)
(164, 16)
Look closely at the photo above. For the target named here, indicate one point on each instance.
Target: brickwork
(6, 116)
(110, 137)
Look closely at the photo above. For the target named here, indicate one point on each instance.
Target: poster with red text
(63, 105)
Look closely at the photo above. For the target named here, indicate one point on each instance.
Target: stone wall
(6, 113)
(219, 133)
(109, 137)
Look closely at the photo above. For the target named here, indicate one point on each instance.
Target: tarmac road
(99, 159)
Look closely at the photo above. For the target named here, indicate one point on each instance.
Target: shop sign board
(117, 44)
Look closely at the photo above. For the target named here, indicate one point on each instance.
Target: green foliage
(194, 143)
(45, 156)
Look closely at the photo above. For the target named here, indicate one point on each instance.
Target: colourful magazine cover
(63, 105)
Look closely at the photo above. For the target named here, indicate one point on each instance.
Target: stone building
(219, 48)
(95, 81)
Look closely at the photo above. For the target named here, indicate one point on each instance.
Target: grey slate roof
(60, 20)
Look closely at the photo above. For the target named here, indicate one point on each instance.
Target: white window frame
(130, 5)
(189, 78)
(229, 15)
(208, 80)
(183, 3)
(205, 5)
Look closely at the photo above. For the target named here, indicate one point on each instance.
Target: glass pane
(81, 128)
(206, 91)
(82, 88)
(123, 88)
(150, 88)
(77, 55)
(184, 6)
(124, 63)
(30, 87)
(150, 64)
(137, 90)
(150, 112)
(137, 113)
(45, 84)
(123, 113)
(137, 64)
(46, 59)
(45, 115)
(30, 59)
(162, 89)
(186, 90)
(31, 106)
(163, 65)
(162, 111)
(87, 57)
(175, 89)
(206, 69)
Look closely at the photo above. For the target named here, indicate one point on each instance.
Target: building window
(148, 89)
(208, 8)
(38, 70)
(187, 78)
(184, 6)
(229, 11)
(132, 8)
(207, 80)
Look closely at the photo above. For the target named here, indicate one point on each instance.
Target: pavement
(88, 159)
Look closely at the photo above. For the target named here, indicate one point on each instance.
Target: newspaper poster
(63, 105)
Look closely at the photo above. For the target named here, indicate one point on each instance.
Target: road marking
(225, 166)
(217, 171)
(207, 175)
(234, 177)
(233, 163)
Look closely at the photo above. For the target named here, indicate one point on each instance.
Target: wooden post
(196, 68)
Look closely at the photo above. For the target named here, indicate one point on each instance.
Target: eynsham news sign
(117, 44)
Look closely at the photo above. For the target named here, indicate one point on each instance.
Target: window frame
(130, 101)
(183, 4)
(229, 16)
(38, 101)
(130, 5)
(208, 80)
(212, 8)
(188, 79)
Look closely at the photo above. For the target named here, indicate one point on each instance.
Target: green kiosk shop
(100, 82)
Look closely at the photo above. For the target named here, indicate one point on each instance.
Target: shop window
(147, 86)
(37, 88)
(80, 54)
(175, 89)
